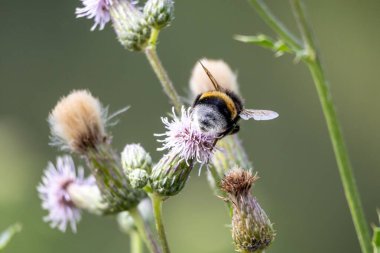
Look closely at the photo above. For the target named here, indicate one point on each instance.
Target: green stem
(144, 231)
(136, 242)
(264, 12)
(312, 60)
(341, 154)
(157, 202)
(154, 60)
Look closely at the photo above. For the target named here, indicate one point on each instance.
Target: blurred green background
(45, 53)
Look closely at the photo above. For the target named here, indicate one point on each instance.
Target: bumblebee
(219, 111)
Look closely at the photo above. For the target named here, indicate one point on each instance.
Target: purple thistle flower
(96, 9)
(185, 139)
(53, 191)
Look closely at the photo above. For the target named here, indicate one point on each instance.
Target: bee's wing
(247, 114)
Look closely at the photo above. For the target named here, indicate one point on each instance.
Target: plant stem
(265, 13)
(144, 231)
(341, 154)
(136, 243)
(157, 210)
(154, 60)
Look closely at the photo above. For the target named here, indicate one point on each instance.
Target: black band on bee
(218, 103)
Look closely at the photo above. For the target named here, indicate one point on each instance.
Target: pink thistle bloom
(53, 191)
(184, 138)
(96, 9)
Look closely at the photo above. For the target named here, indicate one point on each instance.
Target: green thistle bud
(159, 13)
(251, 228)
(138, 178)
(134, 157)
(114, 185)
(169, 176)
(130, 26)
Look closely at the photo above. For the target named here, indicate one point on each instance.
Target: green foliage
(376, 237)
(279, 46)
(6, 236)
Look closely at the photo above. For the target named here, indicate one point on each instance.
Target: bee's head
(209, 119)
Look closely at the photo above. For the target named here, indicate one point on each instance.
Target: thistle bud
(130, 26)
(134, 157)
(138, 178)
(159, 13)
(200, 82)
(169, 176)
(251, 228)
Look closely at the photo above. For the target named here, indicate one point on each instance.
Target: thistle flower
(54, 193)
(186, 140)
(251, 227)
(200, 82)
(96, 9)
(78, 122)
(159, 13)
(134, 156)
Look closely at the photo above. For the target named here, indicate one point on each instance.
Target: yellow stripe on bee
(223, 96)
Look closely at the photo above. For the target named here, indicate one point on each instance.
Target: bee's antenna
(212, 78)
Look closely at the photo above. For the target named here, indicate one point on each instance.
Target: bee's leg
(235, 129)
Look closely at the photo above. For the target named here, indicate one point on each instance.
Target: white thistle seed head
(78, 122)
(200, 82)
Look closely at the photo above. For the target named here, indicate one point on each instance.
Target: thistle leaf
(260, 40)
(279, 47)
(6, 236)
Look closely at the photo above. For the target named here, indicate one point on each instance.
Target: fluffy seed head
(53, 191)
(200, 82)
(77, 122)
(97, 10)
(186, 140)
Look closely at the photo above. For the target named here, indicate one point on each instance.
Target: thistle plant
(251, 228)
(121, 185)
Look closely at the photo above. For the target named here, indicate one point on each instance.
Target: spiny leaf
(6, 236)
